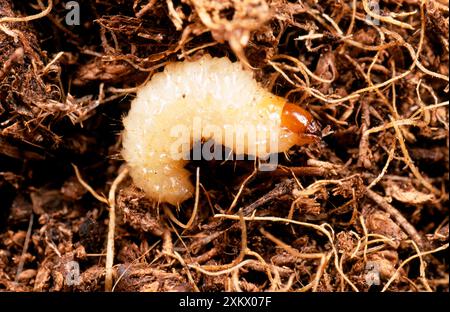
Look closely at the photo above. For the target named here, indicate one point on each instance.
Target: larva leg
(165, 182)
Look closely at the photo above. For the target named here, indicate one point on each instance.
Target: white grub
(218, 94)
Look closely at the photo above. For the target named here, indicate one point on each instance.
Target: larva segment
(209, 98)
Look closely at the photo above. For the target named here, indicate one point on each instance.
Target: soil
(364, 209)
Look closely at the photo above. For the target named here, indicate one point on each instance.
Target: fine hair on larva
(211, 99)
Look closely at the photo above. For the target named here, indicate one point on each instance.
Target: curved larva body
(212, 91)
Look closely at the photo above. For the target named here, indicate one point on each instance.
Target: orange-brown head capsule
(301, 123)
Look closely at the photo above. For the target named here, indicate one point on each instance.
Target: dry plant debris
(373, 195)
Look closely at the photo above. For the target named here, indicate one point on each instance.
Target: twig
(387, 19)
(280, 189)
(241, 188)
(16, 57)
(8, 19)
(364, 157)
(133, 262)
(293, 251)
(322, 266)
(410, 163)
(53, 61)
(111, 229)
(401, 220)
(145, 8)
(100, 198)
(197, 196)
(321, 228)
(386, 166)
(194, 211)
(300, 171)
(421, 254)
(423, 277)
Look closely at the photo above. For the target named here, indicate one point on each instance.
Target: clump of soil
(364, 209)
